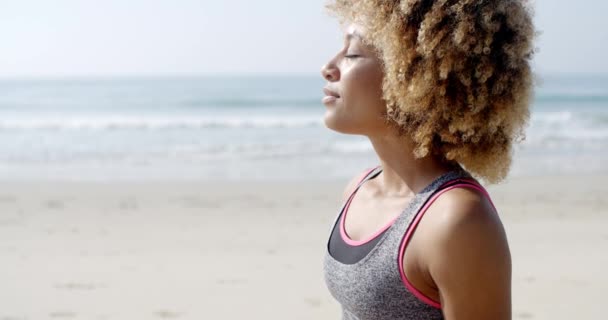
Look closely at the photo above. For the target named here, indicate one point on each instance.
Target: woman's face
(353, 94)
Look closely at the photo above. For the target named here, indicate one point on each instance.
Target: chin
(330, 122)
(339, 126)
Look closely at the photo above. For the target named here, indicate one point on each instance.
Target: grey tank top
(365, 279)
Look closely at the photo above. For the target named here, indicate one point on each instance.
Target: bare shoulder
(465, 219)
(468, 257)
(465, 215)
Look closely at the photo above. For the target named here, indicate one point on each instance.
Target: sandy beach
(201, 250)
(182, 160)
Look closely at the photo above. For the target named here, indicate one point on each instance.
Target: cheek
(363, 88)
(361, 108)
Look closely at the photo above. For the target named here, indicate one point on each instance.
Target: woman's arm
(470, 262)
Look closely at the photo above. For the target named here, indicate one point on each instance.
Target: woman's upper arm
(471, 263)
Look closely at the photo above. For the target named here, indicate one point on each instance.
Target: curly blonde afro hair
(457, 75)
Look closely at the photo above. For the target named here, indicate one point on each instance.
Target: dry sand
(197, 250)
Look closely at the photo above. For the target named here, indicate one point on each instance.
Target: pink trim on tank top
(343, 233)
(417, 293)
(363, 241)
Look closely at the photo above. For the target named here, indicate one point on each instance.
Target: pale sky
(137, 37)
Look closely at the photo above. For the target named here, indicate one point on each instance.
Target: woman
(442, 90)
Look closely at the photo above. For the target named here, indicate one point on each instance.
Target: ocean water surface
(246, 127)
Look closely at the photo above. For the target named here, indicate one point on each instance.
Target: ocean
(246, 127)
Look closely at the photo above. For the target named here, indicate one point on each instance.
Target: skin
(459, 253)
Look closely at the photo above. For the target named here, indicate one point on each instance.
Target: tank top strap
(421, 198)
(368, 174)
(411, 221)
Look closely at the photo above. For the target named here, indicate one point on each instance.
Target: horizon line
(194, 75)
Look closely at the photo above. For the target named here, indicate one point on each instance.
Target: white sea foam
(267, 128)
(117, 122)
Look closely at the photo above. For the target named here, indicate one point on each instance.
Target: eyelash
(351, 56)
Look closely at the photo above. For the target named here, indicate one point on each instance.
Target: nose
(330, 72)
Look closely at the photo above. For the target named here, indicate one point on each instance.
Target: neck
(403, 174)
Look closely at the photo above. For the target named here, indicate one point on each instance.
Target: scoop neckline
(384, 229)
(384, 235)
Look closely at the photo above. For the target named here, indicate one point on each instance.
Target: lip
(329, 100)
(330, 96)
(330, 93)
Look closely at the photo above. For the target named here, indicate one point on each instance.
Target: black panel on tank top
(344, 252)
